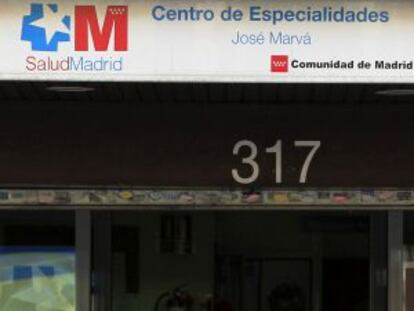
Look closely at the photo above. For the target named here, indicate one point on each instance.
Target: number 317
(250, 160)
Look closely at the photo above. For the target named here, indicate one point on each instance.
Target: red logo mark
(115, 22)
(279, 63)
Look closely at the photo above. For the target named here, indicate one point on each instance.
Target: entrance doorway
(232, 260)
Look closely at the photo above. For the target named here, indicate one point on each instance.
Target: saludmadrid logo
(48, 30)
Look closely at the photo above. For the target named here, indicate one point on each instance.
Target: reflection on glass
(37, 279)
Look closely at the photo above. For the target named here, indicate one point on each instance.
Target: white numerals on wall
(251, 160)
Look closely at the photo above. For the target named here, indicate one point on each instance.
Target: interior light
(396, 92)
(70, 89)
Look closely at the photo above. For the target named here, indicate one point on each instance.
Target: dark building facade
(216, 156)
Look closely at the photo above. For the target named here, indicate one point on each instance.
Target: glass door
(238, 261)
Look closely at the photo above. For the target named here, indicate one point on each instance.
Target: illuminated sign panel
(252, 41)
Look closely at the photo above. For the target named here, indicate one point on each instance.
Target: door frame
(386, 263)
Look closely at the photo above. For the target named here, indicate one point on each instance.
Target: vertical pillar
(378, 261)
(83, 260)
(102, 288)
(395, 261)
(317, 272)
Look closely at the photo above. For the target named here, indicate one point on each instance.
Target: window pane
(37, 261)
